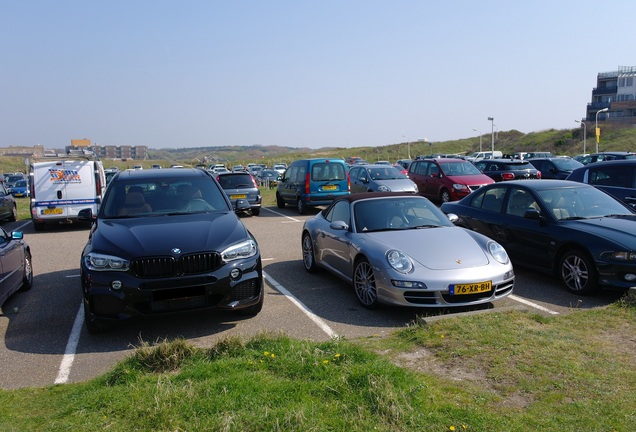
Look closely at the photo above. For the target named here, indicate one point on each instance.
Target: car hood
(159, 235)
(621, 230)
(442, 248)
(473, 179)
(397, 185)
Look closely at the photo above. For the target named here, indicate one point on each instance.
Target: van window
(323, 171)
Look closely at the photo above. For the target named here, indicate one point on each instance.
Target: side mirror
(17, 235)
(339, 226)
(532, 215)
(452, 217)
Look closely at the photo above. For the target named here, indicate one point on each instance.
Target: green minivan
(313, 182)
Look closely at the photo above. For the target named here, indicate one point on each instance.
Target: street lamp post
(598, 132)
(492, 133)
(584, 135)
(408, 145)
(479, 132)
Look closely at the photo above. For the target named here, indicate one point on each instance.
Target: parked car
(477, 156)
(312, 182)
(401, 169)
(555, 167)
(400, 249)
(166, 241)
(404, 163)
(572, 230)
(20, 189)
(379, 178)
(238, 186)
(607, 156)
(507, 169)
(8, 207)
(280, 167)
(617, 178)
(382, 162)
(12, 179)
(16, 264)
(446, 179)
(534, 155)
(268, 178)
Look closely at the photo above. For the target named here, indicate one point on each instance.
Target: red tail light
(348, 183)
(507, 176)
(98, 183)
(538, 174)
(307, 184)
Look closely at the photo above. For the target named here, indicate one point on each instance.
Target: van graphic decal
(64, 176)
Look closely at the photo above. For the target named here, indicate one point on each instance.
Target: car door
(528, 241)
(10, 265)
(6, 202)
(333, 245)
(357, 184)
(287, 186)
(432, 179)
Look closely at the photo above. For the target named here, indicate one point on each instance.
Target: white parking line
(531, 304)
(312, 316)
(280, 214)
(71, 348)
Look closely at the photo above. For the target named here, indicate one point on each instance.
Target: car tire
(577, 272)
(364, 284)
(27, 274)
(302, 208)
(309, 258)
(14, 214)
(280, 202)
(444, 196)
(256, 211)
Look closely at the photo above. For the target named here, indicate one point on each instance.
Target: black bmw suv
(167, 241)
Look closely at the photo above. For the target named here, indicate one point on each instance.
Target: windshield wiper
(574, 218)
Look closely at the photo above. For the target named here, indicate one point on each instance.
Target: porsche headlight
(399, 261)
(99, 262)
(241, 250)
(498, 252)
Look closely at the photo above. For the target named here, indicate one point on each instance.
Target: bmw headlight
(99, 262)
(498, 252)
(384, 188)
(399, 261)
(241, 250)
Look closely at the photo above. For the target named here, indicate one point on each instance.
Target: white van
(61, 188)
(477, 156)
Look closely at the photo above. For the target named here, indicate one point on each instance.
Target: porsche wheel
(364, 284)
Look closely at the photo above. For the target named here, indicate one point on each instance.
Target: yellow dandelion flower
(273, 355)
(451, 428)
(325, 362)
(464, 426)
(266, 353)
(337, 356)
(442, 336)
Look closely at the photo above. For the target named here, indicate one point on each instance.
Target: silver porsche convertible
(400, 249)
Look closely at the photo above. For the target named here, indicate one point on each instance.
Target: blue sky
(299, 73)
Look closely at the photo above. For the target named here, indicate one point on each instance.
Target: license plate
(238, 196)
(329, 187)
(473, 288)
(57, 210)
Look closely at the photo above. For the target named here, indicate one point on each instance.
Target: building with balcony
(616, 91)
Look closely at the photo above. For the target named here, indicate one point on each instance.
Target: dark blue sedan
(575, 231)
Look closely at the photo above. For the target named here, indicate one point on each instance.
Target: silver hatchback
(379, 178)
(241, 186)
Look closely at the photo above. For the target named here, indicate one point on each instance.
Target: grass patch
(487, 372)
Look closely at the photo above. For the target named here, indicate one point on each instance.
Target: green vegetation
(485, 372)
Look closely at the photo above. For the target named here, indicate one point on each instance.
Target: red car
(446, 179)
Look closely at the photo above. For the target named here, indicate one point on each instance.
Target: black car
(507, 169)
(573, 230)
(607, 156)
(555, 167)
(241, 185)
(167, 241)
(15, 262)
(617, 178)
(8, 207)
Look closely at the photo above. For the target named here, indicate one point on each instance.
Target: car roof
(168, 173)
(504, 160)
(608, 163)
(539, 184)
(617, 153)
